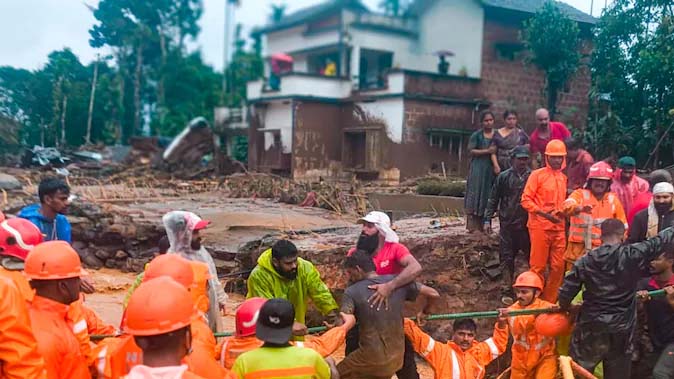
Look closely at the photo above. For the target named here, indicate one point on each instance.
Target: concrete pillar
(355, 65)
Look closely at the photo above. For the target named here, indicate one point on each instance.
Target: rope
(441, 316)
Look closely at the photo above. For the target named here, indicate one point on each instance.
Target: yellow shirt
(289, 362)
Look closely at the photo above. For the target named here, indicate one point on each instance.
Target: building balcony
(297, 84)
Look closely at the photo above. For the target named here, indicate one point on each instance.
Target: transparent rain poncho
(179, 227)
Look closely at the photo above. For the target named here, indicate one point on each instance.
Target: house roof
(524, 6)
(309, 13)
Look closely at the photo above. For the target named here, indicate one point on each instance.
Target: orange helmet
(18, 237)
(555, 148)
(173, 266)
(552, 325)
(529, 279)
(53, 260)
(600, 170)
(246, 316)
(159, 306)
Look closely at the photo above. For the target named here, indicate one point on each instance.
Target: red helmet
(246, 316)
(600, 170)
(18, 237)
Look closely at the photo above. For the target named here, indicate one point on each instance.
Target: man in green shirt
(277, 358)
(280, 273)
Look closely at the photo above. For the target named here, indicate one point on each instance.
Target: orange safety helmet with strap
(246, 316)
(173, 266)
(18, 237)
(529, 279)
(600, 170)
(552, 325)
(555, 148)
(53, 260)
(159, 306)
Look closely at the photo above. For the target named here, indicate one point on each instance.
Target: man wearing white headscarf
(390, 258)
(182, 230)
(658, 216)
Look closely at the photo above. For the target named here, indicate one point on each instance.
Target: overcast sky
(31, 29)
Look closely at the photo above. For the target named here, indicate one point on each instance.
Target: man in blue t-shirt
(48, 216)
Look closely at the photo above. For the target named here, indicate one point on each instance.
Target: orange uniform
(449, 361)
(20, 282)
(533, 356)
(202, 360)
(56, 341)
(584, 229)
(325, 345)
(86, 322)
(546, 191)
(19, 356)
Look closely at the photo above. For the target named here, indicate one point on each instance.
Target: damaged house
(351, 92)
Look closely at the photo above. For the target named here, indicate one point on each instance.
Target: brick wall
(521, 86)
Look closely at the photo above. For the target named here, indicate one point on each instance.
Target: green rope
(442, 316)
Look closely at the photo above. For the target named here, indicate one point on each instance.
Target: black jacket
(506, 195)
(610, 274)
(639, 226)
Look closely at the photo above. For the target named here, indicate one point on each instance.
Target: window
(508, 51)
(447, 142)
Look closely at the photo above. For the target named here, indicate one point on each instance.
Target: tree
(393, 7)
(277, 13)
(553, 42)
(244, 67)
(633, 65)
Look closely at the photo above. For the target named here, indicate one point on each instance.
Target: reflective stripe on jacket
(585, 227)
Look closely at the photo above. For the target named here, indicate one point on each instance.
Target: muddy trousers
(593, 344)
(664, 368)
(512, 239)
(547, 250)
(409, 369)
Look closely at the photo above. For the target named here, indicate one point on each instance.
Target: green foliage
(553, 41)
(633, 63)
(393, 7)
(244, 67)
(277, 12)
(439, 187)
(240, 148)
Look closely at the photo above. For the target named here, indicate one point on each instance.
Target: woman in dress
(506, 139)
(481, 172)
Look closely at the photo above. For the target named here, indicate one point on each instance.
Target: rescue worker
(54, 270)
(463, 353)
(543, 197)
(381, 348)
(533, 355)
(626, 184)
(277, 357)
(158, 317)
(512, 218)
(163, 246)
(244, 338)
(609, 274)
(19, 355)
(183, 231)
(658, 216)
(579, 162)
(18, 237)
(280, 273)
(660, 314)
(49, 215)
(644, 198)
(390, 258)
(588, 208)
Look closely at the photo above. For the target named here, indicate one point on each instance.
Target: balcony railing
(300, 85)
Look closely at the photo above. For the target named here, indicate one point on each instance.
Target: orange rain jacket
(86, 322)
(533, 356)
(449, 361)
(56, 341)
(202, 360)
(546, 191)
(325, 344)
(20, 281)
(584, 227)
(19, 356)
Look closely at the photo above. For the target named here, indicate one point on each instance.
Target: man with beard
(610, 274)
(49, 215)
(658, 216)
(626, 184)
(280, 273)
(644, 199)
(659, 314)
(390, 257)
(183, 231)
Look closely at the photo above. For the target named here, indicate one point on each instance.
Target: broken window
(374, 65)
(450, 140)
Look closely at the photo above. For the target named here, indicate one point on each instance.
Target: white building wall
(400, 46)
(293, 39)
(391, 111)
(279, 115)
(452, 25)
